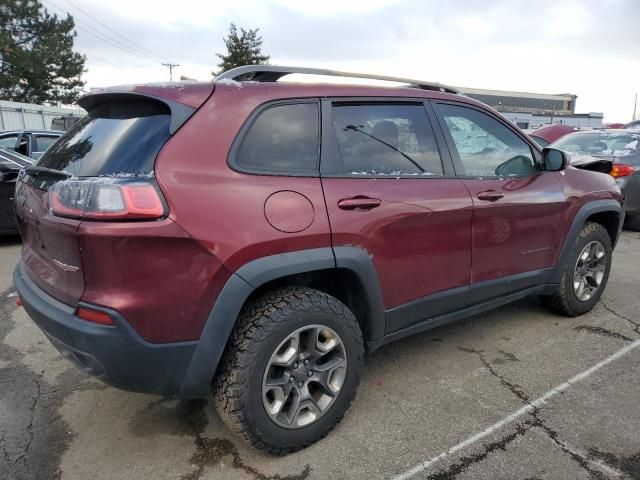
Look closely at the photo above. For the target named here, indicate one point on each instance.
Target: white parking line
(518, 413)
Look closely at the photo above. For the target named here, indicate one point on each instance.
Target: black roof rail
(271, 73)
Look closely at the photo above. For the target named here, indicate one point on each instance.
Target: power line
(114, 31)
(103, 60)
(103, 36)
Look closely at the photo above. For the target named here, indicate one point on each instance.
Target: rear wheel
(290, 370)
(585, 273)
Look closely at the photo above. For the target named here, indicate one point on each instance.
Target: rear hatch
(101, 169)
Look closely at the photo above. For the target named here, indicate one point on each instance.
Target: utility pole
(171, 66)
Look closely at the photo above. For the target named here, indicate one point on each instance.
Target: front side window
(379, 139)
(282, 139)
(486, 147)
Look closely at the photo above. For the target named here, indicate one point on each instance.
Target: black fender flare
(588, 209)
(227, 307)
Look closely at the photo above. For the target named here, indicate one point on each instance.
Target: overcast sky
(589, 48)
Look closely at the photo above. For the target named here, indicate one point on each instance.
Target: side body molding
(246, 279)
(588, 209)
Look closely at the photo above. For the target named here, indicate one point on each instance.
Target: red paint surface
(419, 238)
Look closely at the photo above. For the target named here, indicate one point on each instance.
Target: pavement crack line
(636, 325)
(518, 391)
(529, 408)
(32, 415)
(602, 331)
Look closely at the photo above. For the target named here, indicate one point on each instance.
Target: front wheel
(290, 370)
(585, 273)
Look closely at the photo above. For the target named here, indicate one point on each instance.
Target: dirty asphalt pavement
(485, 398)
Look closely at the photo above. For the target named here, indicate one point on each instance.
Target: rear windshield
(601, 143)
(114, 138)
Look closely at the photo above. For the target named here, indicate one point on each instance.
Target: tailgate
(50, 247)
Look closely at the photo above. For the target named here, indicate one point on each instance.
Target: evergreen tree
(242, 49)
(37, 61)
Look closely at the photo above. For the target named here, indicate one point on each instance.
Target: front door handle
(359, 202)
(490, 196)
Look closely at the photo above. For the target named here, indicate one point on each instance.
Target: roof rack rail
(271, 73)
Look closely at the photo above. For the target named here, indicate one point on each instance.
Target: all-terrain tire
(565, 301)
(262, 326)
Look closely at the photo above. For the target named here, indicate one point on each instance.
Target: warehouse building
(532, 110)
(20, 116)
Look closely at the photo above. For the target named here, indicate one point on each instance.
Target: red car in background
(543, 136)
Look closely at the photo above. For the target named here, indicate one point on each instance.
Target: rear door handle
(359, 202)
(490, 196)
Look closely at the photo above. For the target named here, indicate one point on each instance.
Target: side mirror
(554, 160)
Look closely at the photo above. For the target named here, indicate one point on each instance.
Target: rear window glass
(282, 139)
(114, 138)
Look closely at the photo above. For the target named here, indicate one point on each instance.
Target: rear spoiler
(180, 112)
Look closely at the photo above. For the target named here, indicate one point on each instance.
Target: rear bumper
(115, 354)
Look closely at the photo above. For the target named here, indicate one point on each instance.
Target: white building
(20, 116)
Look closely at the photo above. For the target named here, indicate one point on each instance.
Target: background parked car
(64, 123)
(10, 165)
(30, 143)
(623, 147)
(543, 136)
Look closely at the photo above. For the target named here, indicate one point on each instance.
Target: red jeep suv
(254, 238)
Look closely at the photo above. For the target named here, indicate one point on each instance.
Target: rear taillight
(106, 200)
(622, 170)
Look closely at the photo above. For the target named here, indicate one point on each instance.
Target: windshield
(114, 138)
(601, 143)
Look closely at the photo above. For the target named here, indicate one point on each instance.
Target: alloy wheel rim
(304, 376)
(589, 271)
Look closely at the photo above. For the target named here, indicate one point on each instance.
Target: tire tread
(256, 322)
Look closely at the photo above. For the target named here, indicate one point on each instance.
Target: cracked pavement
(418, 398)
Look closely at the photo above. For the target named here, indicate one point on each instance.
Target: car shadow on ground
(8, 240)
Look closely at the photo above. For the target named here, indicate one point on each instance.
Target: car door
(391, 192)
(518, 207)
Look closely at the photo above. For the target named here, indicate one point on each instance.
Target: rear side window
(381, 139)
(43, 142)
(282, 139)
(114, 138)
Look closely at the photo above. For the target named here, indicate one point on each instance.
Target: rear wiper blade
(52, 171)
